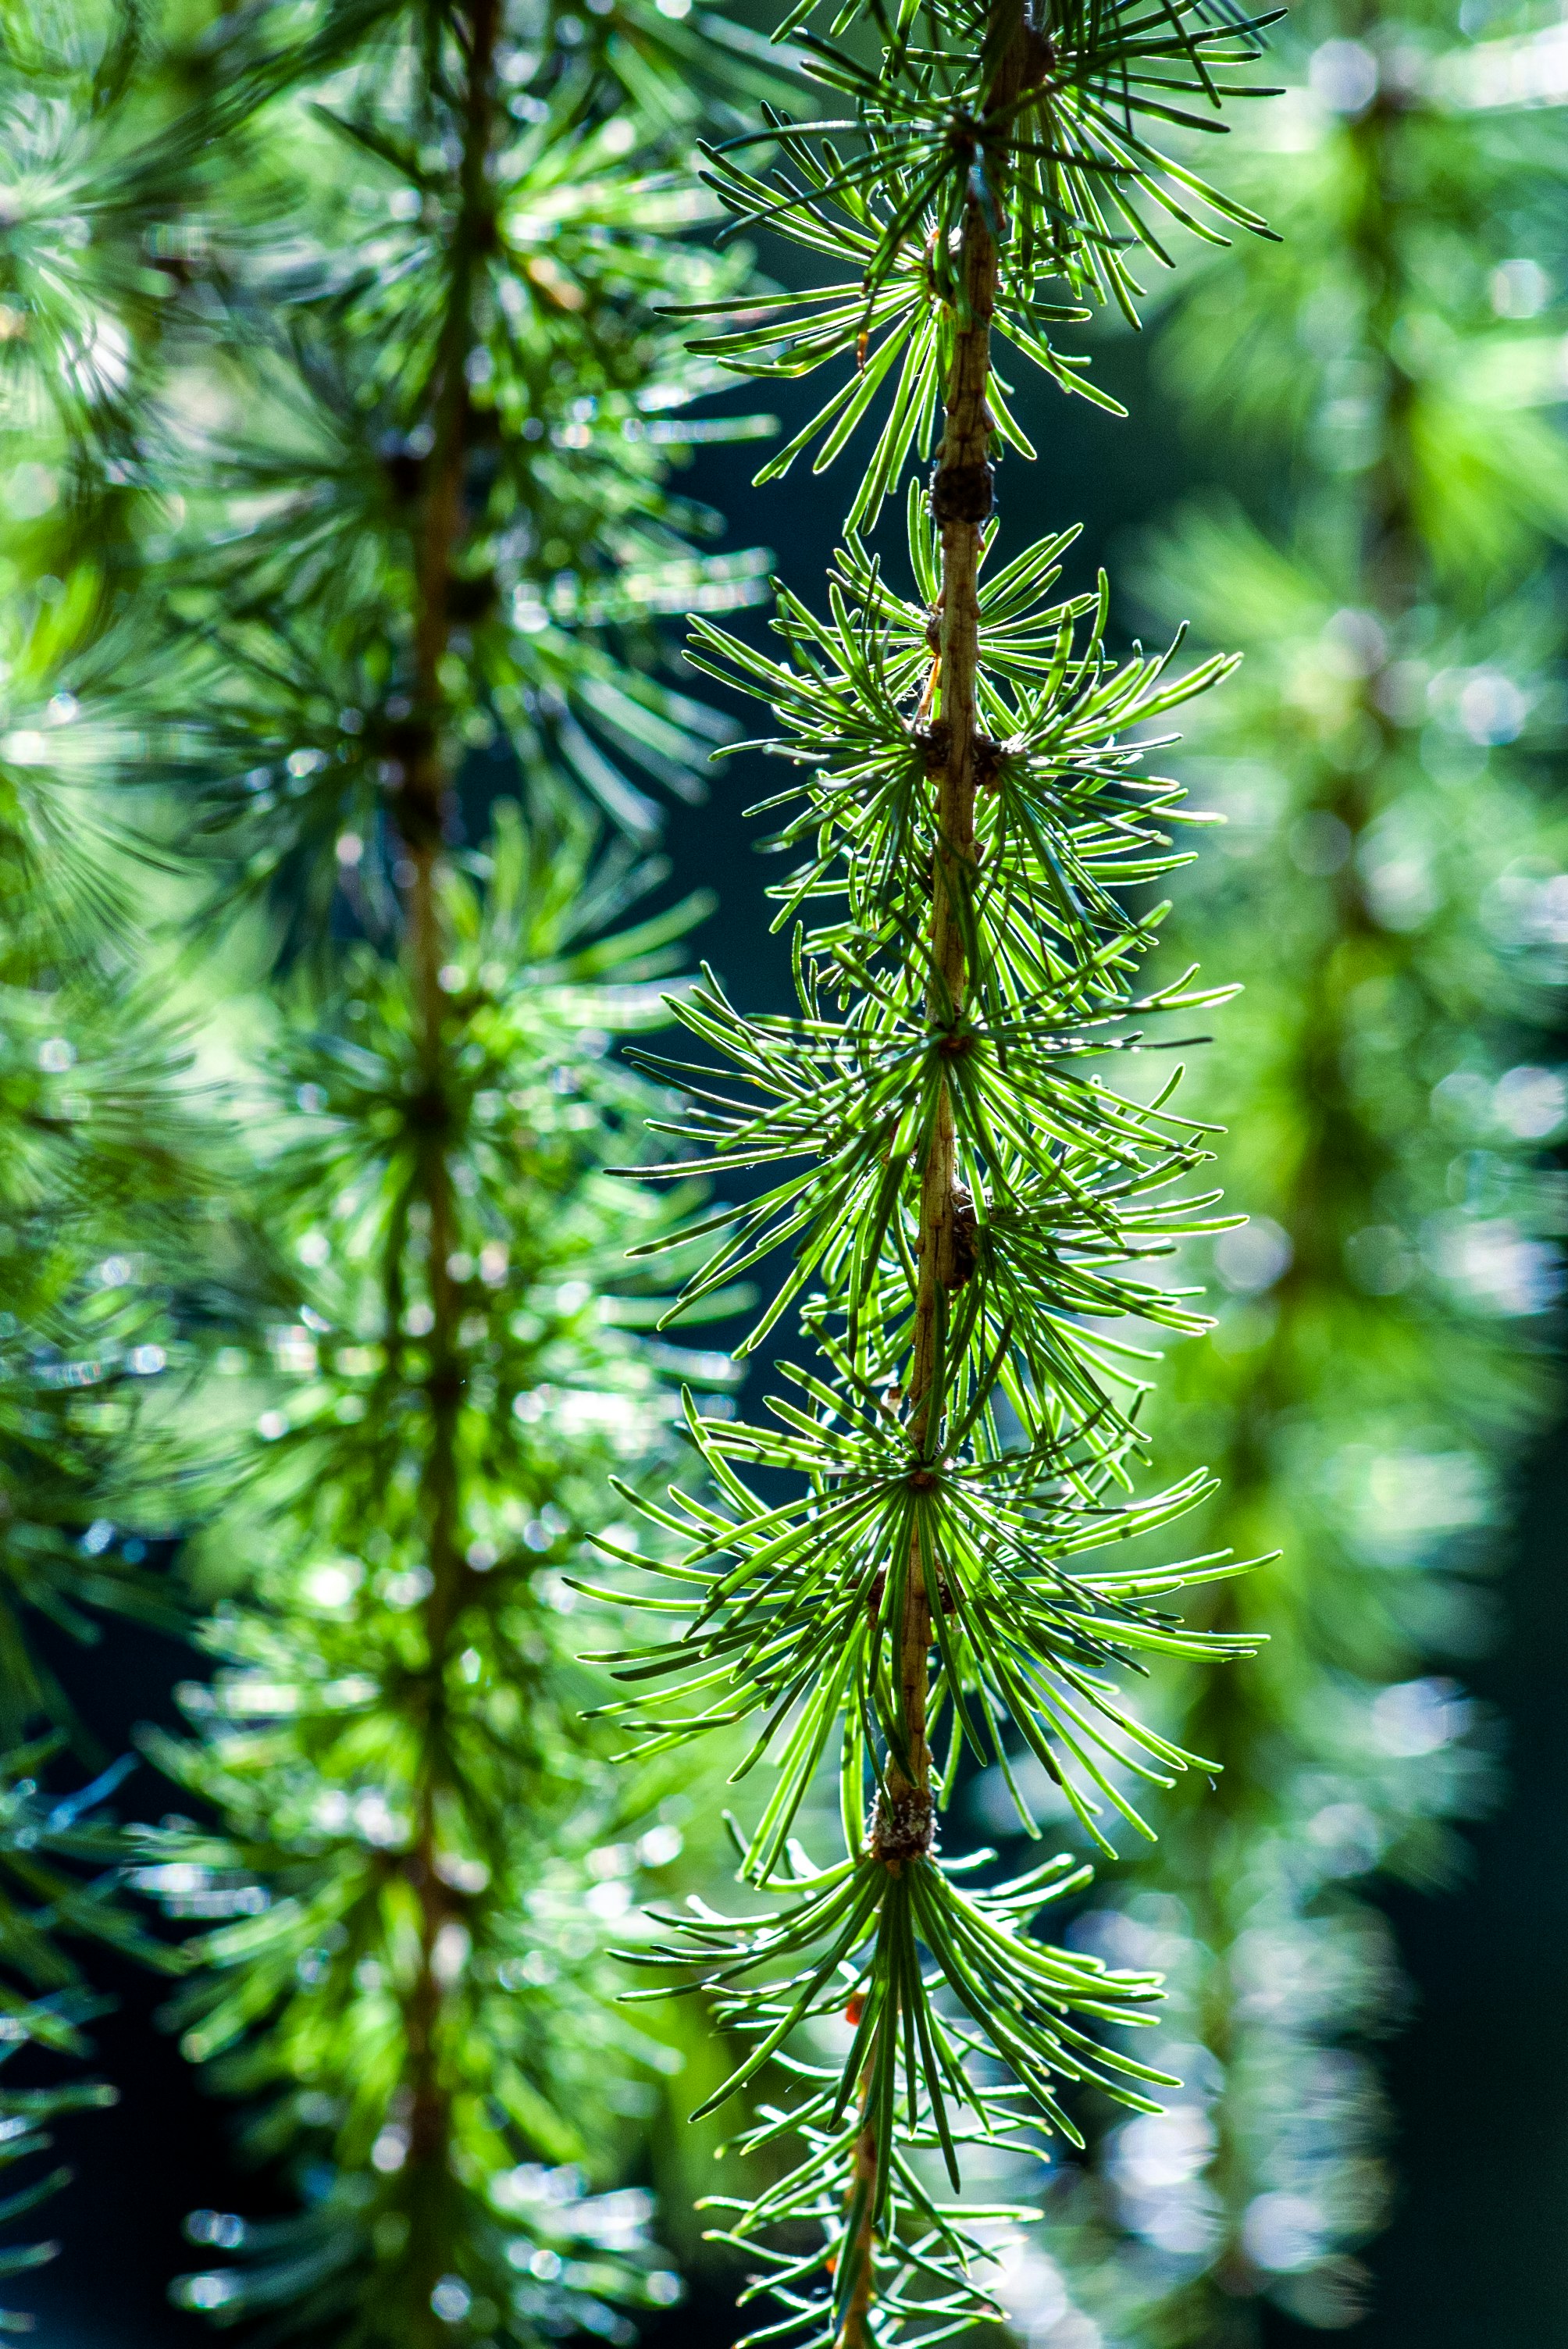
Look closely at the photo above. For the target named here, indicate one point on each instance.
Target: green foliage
(91, 1159)
(359, 1736)
(1068, 822)
(980, 1510)
(919, 1554)
(1080, 148)
(94, 1150)
(576, 544)
(1384, 887)
(363, 415)
(95, 1142)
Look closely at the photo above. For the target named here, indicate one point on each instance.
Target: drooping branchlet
(959, 1199)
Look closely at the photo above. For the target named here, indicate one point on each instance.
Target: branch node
(962, 493)
(904, 1825)
(965, 1232)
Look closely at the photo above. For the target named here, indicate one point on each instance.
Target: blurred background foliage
(1387, 768)
(342, 409)
(1348, 462)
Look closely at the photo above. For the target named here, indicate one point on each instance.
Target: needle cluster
(356, 325)
(1385, 886)
(909, 1560)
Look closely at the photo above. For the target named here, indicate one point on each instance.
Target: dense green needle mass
(96, 1167)
(1389, 887)
(357, 309)
(95, 1138)
(966, 1156)
(418, 1836)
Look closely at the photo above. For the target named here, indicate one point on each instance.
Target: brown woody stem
(961, 501)
(420, 814)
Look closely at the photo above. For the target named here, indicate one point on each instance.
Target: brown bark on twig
(420, 814)
(960, 758)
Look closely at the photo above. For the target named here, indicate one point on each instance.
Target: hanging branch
(419, 809)
(1385, 891)
(407, 424)
(971, 1192)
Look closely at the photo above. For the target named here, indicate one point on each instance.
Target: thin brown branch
(422, 810)
(961, 502)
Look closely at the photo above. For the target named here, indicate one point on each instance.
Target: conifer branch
(969, 800)
(422, 799)
(1366, 1365)
(416, 540)
(903, 1823)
